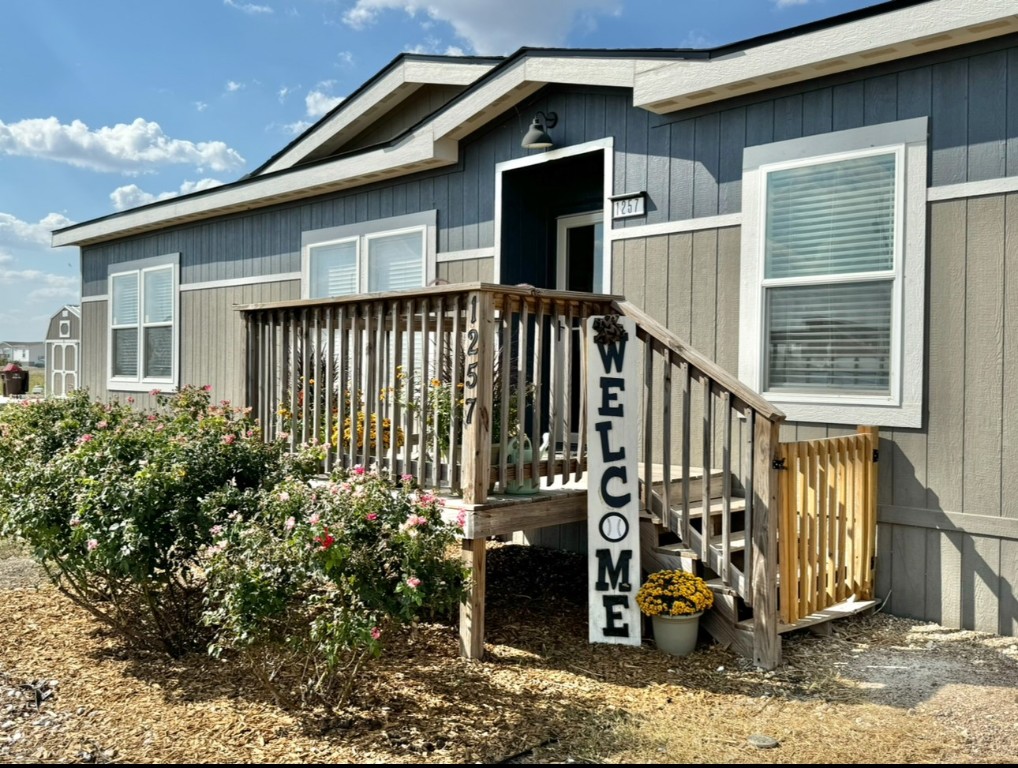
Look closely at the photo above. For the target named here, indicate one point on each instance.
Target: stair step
(696, 478)
(678, 549)
(840, 611)
(717, 507)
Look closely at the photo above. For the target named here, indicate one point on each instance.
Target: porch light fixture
(537, 136)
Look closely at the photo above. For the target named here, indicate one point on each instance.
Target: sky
(110, 104)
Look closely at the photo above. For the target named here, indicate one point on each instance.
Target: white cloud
(131, 195)
(790, 3)
(283, 93)
(319, 103)
(248, 7)
(494, 26)
(233, 85)
(36, 284)
(14, 230)
(297, 127)
(201, 106)
(345, 57)
(433, 45)
(123, 148)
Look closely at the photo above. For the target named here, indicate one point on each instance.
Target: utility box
(14, 380)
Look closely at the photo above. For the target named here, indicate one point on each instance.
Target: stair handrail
(764, 421)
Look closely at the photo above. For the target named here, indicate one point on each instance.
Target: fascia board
(893, 35)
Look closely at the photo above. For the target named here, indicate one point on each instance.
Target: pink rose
(229, 439)
(101, 425)
(85, 439)
(92, 545)
(155, 392)
(372, 516)
(461, 518)
(314, 518)
(207, 388)
(413, 582)
(376, 633)
(290, 523)
(358, 470)
(284, 496)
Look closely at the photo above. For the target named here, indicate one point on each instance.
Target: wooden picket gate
(827, 528)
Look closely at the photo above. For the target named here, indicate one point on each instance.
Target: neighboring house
(24, 353)
(825, 211)
(63, 342)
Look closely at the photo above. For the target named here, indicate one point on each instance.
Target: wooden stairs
(664, 545)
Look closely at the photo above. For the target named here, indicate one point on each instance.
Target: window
(833, 255)
(390, 254)
(65, 329)
(143, 327)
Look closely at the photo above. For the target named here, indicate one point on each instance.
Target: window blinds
(832, 218)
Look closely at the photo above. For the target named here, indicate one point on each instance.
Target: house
(24, 353)
(63, 339)
(824, 212)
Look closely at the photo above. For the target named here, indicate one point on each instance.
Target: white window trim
(140, 383)
(65, 329)
(904, 406)
(362, 233)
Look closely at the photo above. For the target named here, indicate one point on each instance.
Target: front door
(579, 257)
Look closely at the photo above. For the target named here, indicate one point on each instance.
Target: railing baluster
(392, 391)
(521, 394)
(329, 382)
(567, 389)
(708, 434)
(456, 390)
(666, 435)
(648, 426)
(439, 375)
(422, 442)
(747, 489)
(411, 418)
(535, 429)
(302, 331)
(581, 434)
(504, 382)
(726, 491)
(290, 366)
(356, 386)
(687, 395)
(802, 493)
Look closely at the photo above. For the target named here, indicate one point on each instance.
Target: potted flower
(675, 600)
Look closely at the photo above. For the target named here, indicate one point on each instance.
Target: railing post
(477, 416)
(766, 641)
(477, 383)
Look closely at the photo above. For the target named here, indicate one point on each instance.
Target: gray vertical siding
(467, 271)
(211, 314)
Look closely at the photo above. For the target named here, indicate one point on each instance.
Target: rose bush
(115, 501)
(309, 580)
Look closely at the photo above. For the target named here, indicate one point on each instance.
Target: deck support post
(477, 380)
(472, 609)
(766, 640)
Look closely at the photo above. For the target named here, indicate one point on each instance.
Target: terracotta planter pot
(676, 635)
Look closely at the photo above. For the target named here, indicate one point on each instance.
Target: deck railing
(418, 383)
(474, 387)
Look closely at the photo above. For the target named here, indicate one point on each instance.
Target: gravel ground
(878, 690)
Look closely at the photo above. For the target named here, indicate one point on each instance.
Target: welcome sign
(613, 510)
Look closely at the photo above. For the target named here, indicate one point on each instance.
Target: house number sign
(613, 510)
(625, 206)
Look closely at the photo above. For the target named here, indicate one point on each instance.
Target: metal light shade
(537, 136)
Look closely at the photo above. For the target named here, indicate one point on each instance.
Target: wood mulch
(879, 690)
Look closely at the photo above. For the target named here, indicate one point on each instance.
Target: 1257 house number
(627, 206)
